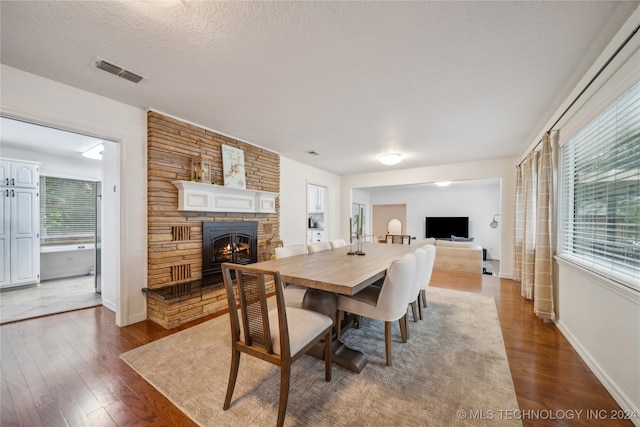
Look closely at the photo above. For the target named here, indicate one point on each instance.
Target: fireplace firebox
(227, 241)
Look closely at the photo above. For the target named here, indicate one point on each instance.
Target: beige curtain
(518, 221)
(543, 303)
(534, 229)
(527, 215)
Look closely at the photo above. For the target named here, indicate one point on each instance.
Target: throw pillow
(461, 239)
(450, 244)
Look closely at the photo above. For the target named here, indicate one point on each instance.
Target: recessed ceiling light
(390, 158)
(443, 183)
(313, 152)
(94, 152)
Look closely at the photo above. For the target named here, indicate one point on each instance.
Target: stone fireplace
(179, 286)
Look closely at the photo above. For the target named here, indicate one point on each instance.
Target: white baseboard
(506, 276)
(606, 381)
(108, 304)
(135, 318)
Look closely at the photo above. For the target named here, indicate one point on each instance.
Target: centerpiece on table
(358, 236)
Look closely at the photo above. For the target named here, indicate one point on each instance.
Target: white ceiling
(441, 82)
(42, 139)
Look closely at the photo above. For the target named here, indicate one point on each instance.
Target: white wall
(36, 99)
(502, 169)
(478, 199)
(294, 177)
(601, 319)
(57, 265)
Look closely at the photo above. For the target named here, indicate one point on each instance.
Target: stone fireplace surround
(175, 237)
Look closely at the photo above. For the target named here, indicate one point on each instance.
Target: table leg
(326, 303)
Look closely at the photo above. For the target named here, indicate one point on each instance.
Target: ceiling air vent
(118, 71)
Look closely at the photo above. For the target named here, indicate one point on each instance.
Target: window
(600, 209)
(67, 211)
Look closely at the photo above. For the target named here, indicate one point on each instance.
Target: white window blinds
(600, 209)
(67, 210)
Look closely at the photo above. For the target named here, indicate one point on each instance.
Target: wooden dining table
(329, 273)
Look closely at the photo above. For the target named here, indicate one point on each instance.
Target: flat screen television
(446, 226)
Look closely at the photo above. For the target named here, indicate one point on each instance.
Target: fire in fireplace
(227, 241)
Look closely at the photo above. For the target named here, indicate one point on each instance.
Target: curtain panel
(534, 232)
(543, 303)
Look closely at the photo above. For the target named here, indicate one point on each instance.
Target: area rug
(452, 371)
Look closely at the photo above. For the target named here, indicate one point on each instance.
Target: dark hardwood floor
(64, 369)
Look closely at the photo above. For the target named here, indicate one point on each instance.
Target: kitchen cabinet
(20, 216)
(315, 198)
(315, 235)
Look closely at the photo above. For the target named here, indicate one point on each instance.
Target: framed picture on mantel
(233, 167)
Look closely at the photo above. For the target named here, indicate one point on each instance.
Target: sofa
(459, 257)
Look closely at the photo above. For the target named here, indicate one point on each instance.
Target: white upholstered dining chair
(293, 294)
(318, 247)
(387, 302)
(338, 243)
(426, 278)
(278, 336)
(421, 265)
(287, 251)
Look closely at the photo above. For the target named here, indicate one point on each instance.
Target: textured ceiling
(441, 82)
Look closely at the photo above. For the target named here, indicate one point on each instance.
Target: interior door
(4, 237)
(25, 242)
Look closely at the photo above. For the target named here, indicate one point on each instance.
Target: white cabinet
(314, 236)
(315, 198)
(19, 174)
(19, 235)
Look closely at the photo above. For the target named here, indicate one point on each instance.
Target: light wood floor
(50, 296)
(65, 370)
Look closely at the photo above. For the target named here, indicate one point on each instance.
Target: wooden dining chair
(279, 336)
(426, 277)
(293, 294)
(318, 247)
(387, 302)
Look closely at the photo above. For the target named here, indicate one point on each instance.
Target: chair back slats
(253, 307)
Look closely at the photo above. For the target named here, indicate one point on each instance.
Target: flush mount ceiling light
(94, 152)
(390, 158)
(443, 183)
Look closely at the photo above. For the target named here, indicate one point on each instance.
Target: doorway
(317, 214)
(69, 220)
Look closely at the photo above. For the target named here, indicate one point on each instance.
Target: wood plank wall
(175, 238)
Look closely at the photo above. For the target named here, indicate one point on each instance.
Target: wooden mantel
(201, 197)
